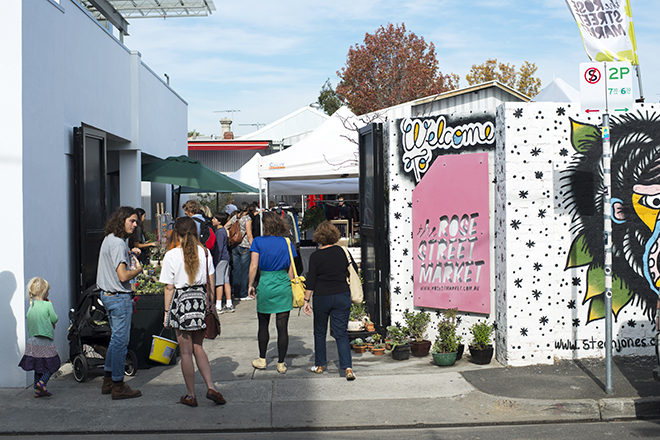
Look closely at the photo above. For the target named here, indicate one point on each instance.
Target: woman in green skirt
(270, 254)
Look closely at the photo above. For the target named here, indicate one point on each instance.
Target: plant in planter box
(480, 348)
(357, 316)
(417, 323)
(445, 348)
(398, 340)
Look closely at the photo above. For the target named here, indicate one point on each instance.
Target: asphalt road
(629, 430)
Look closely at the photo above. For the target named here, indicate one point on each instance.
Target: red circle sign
(592, 75)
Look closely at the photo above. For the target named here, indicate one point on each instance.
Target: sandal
(317, 369)
(41, 390)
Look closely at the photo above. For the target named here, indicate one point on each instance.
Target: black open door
(373, 224)
(89, 204)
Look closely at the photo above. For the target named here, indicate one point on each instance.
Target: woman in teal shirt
(270, 254)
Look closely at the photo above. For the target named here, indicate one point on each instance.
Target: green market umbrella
(192, 176)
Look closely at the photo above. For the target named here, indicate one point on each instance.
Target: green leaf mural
(579, 254)
(584, 136)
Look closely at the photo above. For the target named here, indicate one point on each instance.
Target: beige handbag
(353, 279)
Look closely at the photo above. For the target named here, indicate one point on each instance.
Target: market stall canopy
(330, 152)
(192, 176)
(558, 91)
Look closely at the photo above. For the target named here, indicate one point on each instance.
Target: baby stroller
(89, 337)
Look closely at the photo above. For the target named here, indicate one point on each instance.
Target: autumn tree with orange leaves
(522, 81)
(391, 67)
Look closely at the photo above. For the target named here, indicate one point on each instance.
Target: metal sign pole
(607, 215)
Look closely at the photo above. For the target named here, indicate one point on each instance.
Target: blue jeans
(337, 307)
(241, 257)
(120, 310)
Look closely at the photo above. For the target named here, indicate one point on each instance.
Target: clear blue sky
(268, 59)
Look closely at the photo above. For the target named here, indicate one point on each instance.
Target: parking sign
(606, 86)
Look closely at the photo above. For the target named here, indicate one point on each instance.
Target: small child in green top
(40, 351)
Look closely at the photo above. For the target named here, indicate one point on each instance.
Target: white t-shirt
(174, 270)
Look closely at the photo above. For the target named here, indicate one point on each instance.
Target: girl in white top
(184, 273)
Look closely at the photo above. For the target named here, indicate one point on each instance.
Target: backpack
(234, 236)
(206, 234)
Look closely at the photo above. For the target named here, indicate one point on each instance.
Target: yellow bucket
(162, 350)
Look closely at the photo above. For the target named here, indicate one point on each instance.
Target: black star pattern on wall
(395, 187)
(537, 266)
(515, 224)
(543, 320)
(518, 113)
(536, 294)
(523, 194)
(397, 215)
(571, 304)
(409, 204)
(535, 151)
(563, 152)
(561, 111)
(576, 322)
(405, 252)
(576, 281)
(518, 282)
(538, 174)
(523, 331)
(397, 290)
(530, 244)
(632, 323)
(542, 213)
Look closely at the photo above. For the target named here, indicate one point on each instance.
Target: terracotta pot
(378, 351)
(360, 348)
(371, 327)
(420, 349)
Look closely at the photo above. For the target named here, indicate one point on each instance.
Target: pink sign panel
(451, 247)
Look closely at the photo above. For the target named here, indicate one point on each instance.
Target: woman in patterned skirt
(184, 273)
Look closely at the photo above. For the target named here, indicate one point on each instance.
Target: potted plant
(368, 325)
(445, 348)
(417, 323)
(480, 348)
(398, 339)
(359, 345)
(357, 316)
(378, 348)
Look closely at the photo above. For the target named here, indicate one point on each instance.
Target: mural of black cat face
(635, 171)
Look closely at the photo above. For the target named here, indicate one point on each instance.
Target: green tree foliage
(523, 80)
(391, 67)
(328, 99)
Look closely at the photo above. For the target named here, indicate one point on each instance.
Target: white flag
(607, 29)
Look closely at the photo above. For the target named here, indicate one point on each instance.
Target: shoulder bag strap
(288, 245)
(209, 305)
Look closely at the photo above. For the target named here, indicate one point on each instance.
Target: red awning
(223, 145)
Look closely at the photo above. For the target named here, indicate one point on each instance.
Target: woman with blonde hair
(184, 272)
(326, 280)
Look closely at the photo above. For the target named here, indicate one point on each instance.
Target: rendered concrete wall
(60, 69)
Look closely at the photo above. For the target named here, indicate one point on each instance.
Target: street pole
(607, 215)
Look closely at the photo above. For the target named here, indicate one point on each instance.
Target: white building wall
(542, 307)
(12, 310)
(60, 69)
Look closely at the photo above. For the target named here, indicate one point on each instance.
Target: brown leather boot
(123, 391)
(106, 388)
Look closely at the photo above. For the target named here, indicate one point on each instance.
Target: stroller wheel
(80, 368)
(130, 367)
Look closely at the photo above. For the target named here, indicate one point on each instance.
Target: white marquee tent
(325, 162)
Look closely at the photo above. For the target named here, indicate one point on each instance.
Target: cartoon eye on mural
(635, 170)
